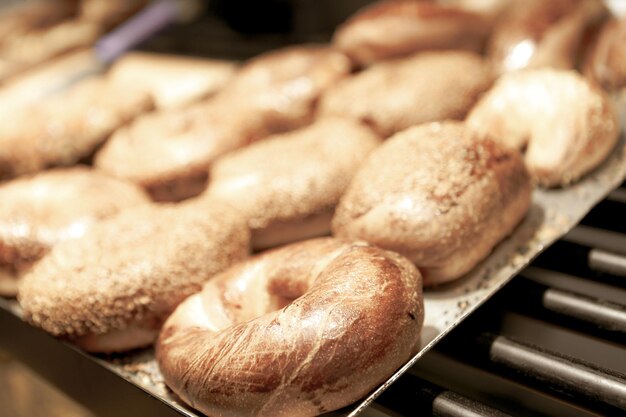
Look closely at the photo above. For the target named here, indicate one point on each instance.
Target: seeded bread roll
(111, 290)
(565, 125)
(390, 29)
(287, 186)
(394, 95)
(65, 128)
(40, 211)
(439, 195)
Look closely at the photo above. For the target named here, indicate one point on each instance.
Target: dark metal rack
(551, 342)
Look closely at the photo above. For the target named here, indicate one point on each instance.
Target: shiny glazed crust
(539, 33)
(292, 180)
(298, 331)
(394, 95)
(438, 195)
(566, 125)
(605, 63)
(389, 29)
(130, 272)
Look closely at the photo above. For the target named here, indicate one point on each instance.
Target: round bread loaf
(169, 153)
(389, 29)
(65, 128)
(299, 331)
(287, 186)
(539, 33)
(284, 86)
(605, 62)
(39, 211)
(112, 289)
(438, 195)
(392, 96)
(566, 125)
(172, 81)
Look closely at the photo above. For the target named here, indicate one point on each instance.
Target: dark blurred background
(239, 29)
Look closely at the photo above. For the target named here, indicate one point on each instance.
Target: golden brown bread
(438, 195)
(388, 29)
(539, 33)
(566, 125)
(284, 86)
(39, 211)
(298, 331)
(32, 85)
(37, 31)
(112, 289)
(169, 153)
(173, 81)
(34, 47)
(108, 13)
(66, 127)
(605, 63)
(287, 185)
(18, 19)
(394, 95)
(490, 9)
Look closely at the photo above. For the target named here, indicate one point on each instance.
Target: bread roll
(392, 96)
(438, 195)
(300, 331)
(39, 211)
(388, 29)
(169, 153)
(112, 289)
(566, 126)
(605, 63)
(284, 86)
(65, 128)
(172, 81)
(538, 33)
(287, 186)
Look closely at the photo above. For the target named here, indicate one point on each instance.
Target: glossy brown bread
(39, 211)
(394, 95)
(111, 290)
(565, 125)
(169, 152)
(605, 62)
(299, 331)
(539, 33)
(438, 195)
(390, 29)
(287, 186)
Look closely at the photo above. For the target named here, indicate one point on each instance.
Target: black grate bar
(607, 315)
(597, 238)
(610, 263)
(451, 404)
(618, 195)
(430, 399)
(569, 376)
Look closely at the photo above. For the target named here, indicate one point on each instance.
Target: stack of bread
(394, 158)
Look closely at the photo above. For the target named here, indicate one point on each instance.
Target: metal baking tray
(137, 378)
